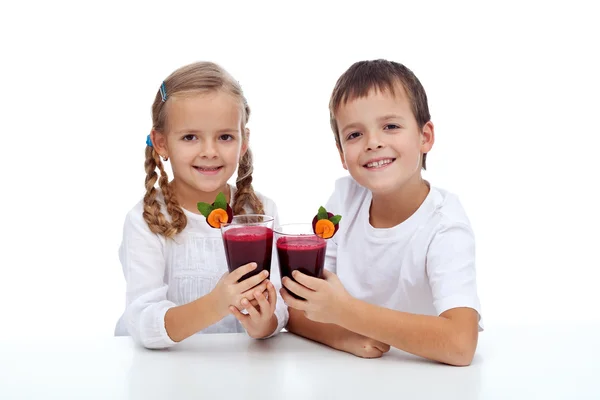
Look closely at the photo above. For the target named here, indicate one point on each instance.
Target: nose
(374, 141)
(208, 149)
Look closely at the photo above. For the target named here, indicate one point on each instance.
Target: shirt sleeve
(281, 310)
(143, 262)
(451, 269)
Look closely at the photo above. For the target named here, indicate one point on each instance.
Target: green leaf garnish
(205, 209)
(220, 201)
(335, 219)
(322, 214)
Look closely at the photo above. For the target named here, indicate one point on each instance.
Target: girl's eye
(353, 135)
(188, 138)
(391, 126)
(226, 137)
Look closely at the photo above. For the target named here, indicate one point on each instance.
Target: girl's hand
(229, 292)
(261, 322)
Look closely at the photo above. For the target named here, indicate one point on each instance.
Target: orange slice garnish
(324, 228)
(217, 217)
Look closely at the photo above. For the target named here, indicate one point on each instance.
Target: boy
(401, 269)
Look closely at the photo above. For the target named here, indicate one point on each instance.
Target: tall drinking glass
(299, 248)
(248, 238)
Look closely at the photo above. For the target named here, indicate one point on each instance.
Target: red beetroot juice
(248, 244)
(303, 253)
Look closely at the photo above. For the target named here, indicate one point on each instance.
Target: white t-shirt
(425, 265)
(162, 273)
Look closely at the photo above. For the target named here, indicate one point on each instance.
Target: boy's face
(381, 143)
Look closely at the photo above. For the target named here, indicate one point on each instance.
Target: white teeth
(379, 163)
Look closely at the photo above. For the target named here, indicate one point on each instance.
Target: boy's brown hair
(363, 76)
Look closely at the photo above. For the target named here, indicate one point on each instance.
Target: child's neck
(188, 198)
(392, 209)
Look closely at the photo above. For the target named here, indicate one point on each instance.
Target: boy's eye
(353, 135)
(391, 126)
(188, 138)
(226, 137)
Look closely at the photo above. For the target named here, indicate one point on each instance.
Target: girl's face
(204, 141)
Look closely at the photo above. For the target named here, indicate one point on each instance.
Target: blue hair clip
(163, 92)
(149, 141)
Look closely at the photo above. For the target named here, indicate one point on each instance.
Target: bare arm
(328, 334)
(335, 336)
(450, 338)
(183, 321)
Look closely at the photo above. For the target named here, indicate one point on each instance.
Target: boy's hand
(260, 322)
(325, 298)
(229, 292)
(362, 346)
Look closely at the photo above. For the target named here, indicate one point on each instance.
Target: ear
(159, 142)
(342, 158)
(427, 137)
(245, 142)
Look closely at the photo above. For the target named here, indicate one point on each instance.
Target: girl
(173, 261)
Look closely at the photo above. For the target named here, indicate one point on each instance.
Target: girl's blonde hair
(196, 78)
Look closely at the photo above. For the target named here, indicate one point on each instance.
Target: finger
(369, 352)
(263, 303)
(291, 301)
(241, 271)
(376, 345)
(249, 294)
(307, 281)
(254, 302)
(296, 288)
(251, 310)
(252, 281)
(238, 315)
(271, 296)
(384, 348)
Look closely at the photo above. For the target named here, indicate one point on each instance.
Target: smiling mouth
(208, 169)
(379, 164)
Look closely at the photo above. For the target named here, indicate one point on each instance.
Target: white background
(513, 93)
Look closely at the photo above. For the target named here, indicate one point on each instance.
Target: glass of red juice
(299, 248)
(248, 238)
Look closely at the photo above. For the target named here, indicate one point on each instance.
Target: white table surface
(511, 363)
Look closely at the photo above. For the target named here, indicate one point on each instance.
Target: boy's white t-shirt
(163, 273)
(425, 265)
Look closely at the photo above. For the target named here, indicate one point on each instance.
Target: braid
(152, 214)
(245, 192)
